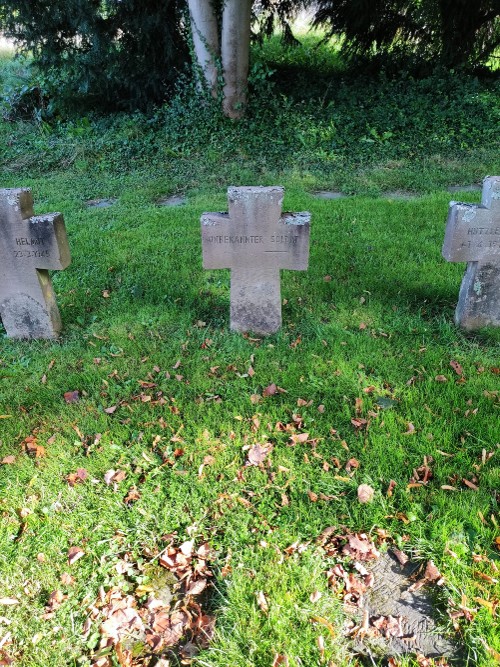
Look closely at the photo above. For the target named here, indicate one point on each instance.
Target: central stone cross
(29, 246)
(473, 236)
(255, 240)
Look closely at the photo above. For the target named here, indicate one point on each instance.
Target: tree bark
(235, 50)
(205, 34)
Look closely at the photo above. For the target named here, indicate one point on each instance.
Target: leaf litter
(158, 619)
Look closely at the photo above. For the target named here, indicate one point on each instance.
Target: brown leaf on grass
(133, 495)
(67, 579)
(255, 398)
(114, 476)
(390, 488)
(432, 574)
(72, 396)
(471, 485)
(314, 597)
(270, 390)
(359, 423)
(441, 378)
(262, 602)
(55, 600)
(358, 546)
(352, 463)
(422, 474)
(5, 660)
(411, 429)
(111, 409)
(77, 477)
(8, 459)
(74, 554)
(31, 447)
(299, 438)
(8, 601)
(280, 660)
(196, 587)
(258, 453)
(365, 493)
(456, 367)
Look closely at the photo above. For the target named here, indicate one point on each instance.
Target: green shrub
(114, 54)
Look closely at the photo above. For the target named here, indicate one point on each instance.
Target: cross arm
(472, 233)
(45, 242)
(214, 227)
(294, 238)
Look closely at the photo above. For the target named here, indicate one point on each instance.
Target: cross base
(255, 300)
(34, 314)
(479, 299)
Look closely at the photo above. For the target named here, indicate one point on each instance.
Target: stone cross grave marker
(255, 240)
(29, 246)
(473, 236)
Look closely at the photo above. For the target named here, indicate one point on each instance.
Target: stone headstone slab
(29, 246)
(100, 203)
(400, 195)
(329, 194)
(255, 240)
(390, 596)
(171, 200)
(473, 235)
(473, 187)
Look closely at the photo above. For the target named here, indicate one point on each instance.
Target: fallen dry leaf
(401, 556)
(456, 367)
(270, 390)
(72, 396)
(8, 459)
(77, 477)
(262, 601)
(390, 488)
(365, 493)
(9, 601)
(74, 554)
(258, 453)
(114, 476)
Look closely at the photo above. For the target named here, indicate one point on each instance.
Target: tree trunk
(235, 50)
(205, 40)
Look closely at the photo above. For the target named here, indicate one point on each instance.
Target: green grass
(384, 320)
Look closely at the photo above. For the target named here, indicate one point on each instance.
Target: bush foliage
(453, 32)
(112, 53)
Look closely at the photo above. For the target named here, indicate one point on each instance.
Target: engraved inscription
(483, 231)
(30, 241)
(233, 239)
(31, 253)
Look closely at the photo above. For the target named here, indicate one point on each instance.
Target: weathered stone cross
(29, 246)
(473, 236)
(255, 240)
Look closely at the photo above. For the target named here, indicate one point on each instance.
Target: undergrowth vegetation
(150, 430)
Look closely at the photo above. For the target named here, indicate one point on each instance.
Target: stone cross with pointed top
(255, 240)
(29, 246)
(473, 236)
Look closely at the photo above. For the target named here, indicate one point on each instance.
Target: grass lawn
(373, 380)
